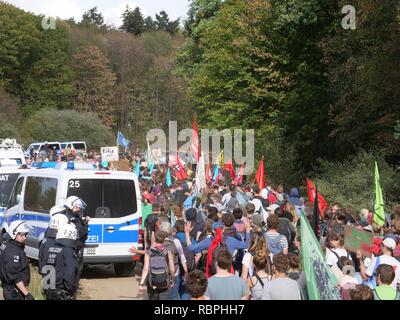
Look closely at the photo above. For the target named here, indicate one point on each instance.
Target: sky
(111, 9)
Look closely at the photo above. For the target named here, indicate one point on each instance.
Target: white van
(113, 203)
(8, 176)
(77, 145)
(10, 150)
(39, 146)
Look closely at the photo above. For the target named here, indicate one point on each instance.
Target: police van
(113, 204)
(8, 175)
(10, 150)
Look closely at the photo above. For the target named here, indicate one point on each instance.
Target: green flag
(321, 282)
(379, 212)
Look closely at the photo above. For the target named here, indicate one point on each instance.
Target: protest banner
(109, 154)
(357, 239)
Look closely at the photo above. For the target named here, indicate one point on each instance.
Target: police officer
(62, 257)
(14, 265)
(57, 218)
(74, 211)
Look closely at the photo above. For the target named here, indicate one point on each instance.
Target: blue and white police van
(113, 204)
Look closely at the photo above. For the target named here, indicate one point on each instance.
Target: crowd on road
(236, 241)
(231, 240)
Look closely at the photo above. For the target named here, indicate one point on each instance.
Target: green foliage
(7, 130)
(351, 182)
(54, 125)
(158, 43)
(133, 21)
(163, 23)
(93, 17)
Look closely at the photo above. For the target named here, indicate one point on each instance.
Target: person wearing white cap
(386, 258)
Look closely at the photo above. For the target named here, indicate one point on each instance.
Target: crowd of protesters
(231, 242)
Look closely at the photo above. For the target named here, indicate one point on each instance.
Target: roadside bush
(67, 125)
(351, 182)
(7, 131)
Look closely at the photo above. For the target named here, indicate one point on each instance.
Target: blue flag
(215, 176)
(168, 179)
(151, 168)
(121, 141)
(137, 168)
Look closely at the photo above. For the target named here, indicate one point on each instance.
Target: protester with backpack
(159, 270)
(173, 245)
(336, 250)
(385, 275)
(369, 275)
(257, 282)
(277, 242)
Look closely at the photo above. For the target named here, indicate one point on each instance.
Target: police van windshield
(117, 196)
(7, 181)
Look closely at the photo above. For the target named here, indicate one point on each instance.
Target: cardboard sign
(109, 154)
(121, 165)
(356, 239)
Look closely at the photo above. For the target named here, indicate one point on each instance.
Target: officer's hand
(29, 297)
(133, 249)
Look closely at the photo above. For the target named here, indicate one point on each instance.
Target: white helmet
(16, 227)
(56, 209)
(58, 220)
(73, 201)
(67, 231)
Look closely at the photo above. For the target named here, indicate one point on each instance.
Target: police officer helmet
(58, 220)
(67, 232)
(56, 209)
(16, 227)
(73, 201)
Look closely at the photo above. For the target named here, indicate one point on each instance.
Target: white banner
(109, 154)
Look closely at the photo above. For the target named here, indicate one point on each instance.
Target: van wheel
(124, 269)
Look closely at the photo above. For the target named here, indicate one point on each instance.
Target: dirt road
(100, 283)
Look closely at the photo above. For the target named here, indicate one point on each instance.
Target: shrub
(67, 125)
(351, 182)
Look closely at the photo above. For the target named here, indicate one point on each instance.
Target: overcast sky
(111, 9)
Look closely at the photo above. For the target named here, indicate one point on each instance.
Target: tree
(93, 17)
(163, 23)
(67, 125)
(49, 83)
(95, 84)
(133, 21)
(149, 24)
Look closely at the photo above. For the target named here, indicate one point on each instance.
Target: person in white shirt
(386, 258)
(336, 250)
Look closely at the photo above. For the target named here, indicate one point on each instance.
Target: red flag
(180, 170)
(229, 167)
(322, 204)
(208, 172)
(195, 146)
(260, 175)
(239, 177)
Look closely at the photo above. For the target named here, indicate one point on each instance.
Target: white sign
(109, 154)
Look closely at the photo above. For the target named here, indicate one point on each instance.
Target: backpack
(190, 259)
(285, 229)
(158, 269)
(339, 264)
(274, 245)
(170, 246)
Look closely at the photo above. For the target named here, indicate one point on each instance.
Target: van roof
(91, 173)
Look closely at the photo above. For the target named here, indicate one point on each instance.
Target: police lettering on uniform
(14, 265)
(74, 211)
(63, 259)
(57, 219)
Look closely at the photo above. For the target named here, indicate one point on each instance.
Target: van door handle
(110, 229)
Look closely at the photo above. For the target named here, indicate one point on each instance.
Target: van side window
(40, 194)
(17, 192)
